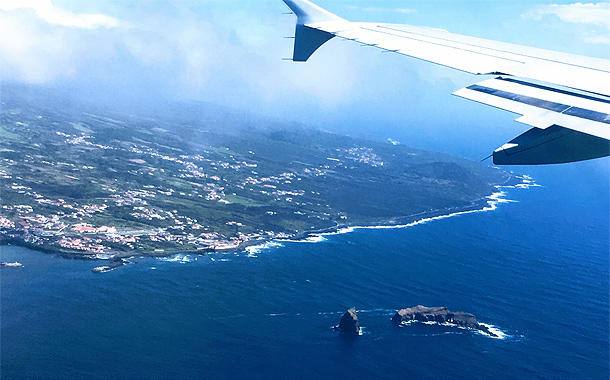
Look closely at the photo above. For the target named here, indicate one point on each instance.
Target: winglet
(307, 39)
(309, 13)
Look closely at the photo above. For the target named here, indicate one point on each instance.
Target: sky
(230, 52)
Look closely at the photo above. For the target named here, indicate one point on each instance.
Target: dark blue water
(537, 269)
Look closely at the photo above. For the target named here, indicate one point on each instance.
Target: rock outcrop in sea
(116, 263)
(349, 322)
(440, 315)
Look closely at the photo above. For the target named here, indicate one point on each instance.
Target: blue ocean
(536, 269)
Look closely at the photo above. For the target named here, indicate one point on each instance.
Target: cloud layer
(591, 14)
(202, 50)
(230, 53)
(46, 11)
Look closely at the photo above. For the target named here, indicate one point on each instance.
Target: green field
(8, 135)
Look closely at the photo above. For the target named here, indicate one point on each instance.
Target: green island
(93, 183)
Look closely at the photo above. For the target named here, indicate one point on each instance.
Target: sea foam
(178, 258)
(498, 334)
(494, 330)
(253, 250)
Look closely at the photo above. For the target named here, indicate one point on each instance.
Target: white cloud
(596, 39)
(591, 14)
(48, 12)
(212, 52)
(32, 51)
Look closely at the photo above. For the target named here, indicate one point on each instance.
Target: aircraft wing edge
(315, 26)
(543, 107)
(568, 126)
(570, 117)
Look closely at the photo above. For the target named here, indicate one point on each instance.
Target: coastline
(484, 204)
(487, 203)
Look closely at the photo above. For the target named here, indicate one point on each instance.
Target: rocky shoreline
(441, 315)
(398, 221)
(477, 205)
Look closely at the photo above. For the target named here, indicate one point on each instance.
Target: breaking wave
(496, 331)
(178, 258)
(254, 250)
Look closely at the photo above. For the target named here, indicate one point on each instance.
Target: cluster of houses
(65, 227)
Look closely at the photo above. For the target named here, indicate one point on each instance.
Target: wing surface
(568, 92)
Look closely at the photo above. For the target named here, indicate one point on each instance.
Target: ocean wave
(526, 182)
(378, 311)
(440, 334)
(178, 258)
(330, 312)
(361, 332)
(340, 231)
(496, 331)
(314, 239)
(253, 250)
(499, 334)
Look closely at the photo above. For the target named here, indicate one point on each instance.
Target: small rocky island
(115, 263)
(349, 323)
(440, 315)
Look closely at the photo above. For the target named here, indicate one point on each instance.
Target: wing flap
(568, 126)
(544, 106)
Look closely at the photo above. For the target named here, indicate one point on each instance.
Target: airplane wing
(564, 97)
